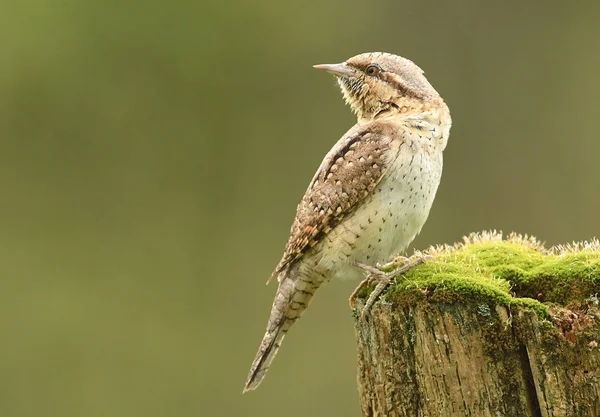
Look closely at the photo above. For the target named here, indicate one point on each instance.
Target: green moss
(569, 278)
(492, 271)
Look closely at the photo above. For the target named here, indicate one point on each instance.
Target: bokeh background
(152, 155)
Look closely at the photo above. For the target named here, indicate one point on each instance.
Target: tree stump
(491, 327)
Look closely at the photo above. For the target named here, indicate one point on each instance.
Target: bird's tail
(293, 297)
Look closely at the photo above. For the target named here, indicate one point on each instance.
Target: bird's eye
(373, 70)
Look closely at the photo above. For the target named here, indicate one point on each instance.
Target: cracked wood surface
(442, 359)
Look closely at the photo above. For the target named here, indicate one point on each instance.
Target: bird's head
(378, 84)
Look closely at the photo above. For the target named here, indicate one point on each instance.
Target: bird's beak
(339, 70)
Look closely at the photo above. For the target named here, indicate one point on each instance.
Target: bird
(370, 196)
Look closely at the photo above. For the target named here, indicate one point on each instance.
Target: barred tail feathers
(293, 297)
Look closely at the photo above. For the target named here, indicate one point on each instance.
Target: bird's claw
(383, 275)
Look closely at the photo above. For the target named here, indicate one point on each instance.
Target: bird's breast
(388, 220)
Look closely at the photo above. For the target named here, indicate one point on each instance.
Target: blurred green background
(152, 155)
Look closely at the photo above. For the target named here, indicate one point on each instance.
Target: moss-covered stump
(491, 327)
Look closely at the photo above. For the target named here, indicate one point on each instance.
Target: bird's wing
(347, 175)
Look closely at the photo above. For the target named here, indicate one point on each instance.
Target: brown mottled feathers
(361, 159)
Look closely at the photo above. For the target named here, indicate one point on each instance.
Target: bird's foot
(383, 276)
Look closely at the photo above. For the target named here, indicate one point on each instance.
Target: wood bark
(426, 359)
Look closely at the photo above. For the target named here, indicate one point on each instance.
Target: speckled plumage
(372, 193)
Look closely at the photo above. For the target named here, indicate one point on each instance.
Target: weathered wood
(430, 348)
